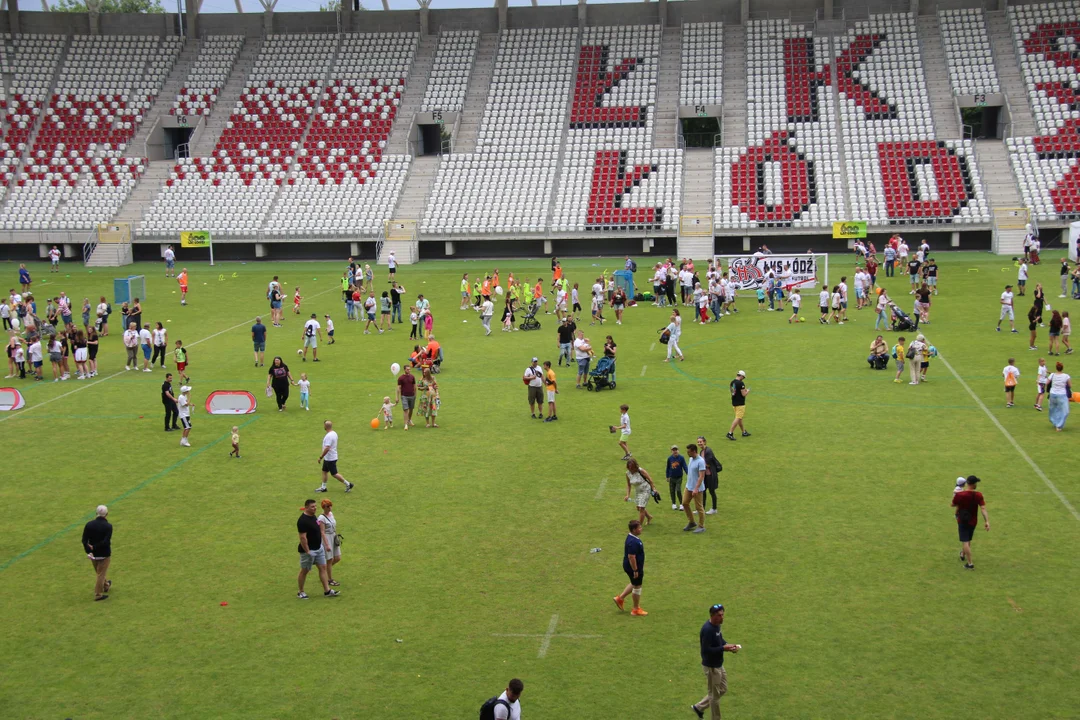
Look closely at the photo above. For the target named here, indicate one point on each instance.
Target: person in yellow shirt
(552, 390)
(464, 292)
(235, 442)
(898, 353)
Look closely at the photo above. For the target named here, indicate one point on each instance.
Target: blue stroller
(602, 376)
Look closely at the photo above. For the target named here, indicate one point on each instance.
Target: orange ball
(1076, 397)
(374, 423)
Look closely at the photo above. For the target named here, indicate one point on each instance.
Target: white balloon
(498, 290)
(395, 368)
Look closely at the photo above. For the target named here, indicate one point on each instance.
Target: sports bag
(910, 354)
(665, 336)
(487, 710)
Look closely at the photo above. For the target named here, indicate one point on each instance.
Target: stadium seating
(105, 86)
(701, 74)
(899, 171)
(230, 192)
(611, 177)
(790, 173)
(343, 183)
(450, 73)
(208, 75)
(968, 52)
(506, 184)
(1046, 36)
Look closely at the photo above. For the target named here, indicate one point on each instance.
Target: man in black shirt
(931, 274)
(97, 544)
(168, 399)
(566, 338)
(311, 550)
(713, 647)
(914, 267)
(396, 291)
(738, 402)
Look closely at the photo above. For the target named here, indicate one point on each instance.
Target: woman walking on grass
(1033, 324)
(279, 379)
(640, 484)
(1060, 391)
(331, 543)
(674, 329)
(161, 340)
(1055, 333)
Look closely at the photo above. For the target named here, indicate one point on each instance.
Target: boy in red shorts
(180, 353)
(182, 279)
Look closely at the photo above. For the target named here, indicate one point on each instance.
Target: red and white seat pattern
(449, 79)
(231, 191)
(208, 75)
(612, 178)
(104, 87)
(1046, 166)
(343, 183)
(789, 176)
(701, 76)
(33, 62)
(506, 184)
(899, 172)
(968, 52)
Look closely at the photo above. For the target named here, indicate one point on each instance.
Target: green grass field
(834, 550)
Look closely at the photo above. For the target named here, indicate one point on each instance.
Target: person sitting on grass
(879, 354)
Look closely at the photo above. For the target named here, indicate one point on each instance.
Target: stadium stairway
(207, 138)
(938, 88)
(665, 131)
(417, 187)
(997, 174)
(110, 255)
(415, 88)
(476, 97)
(142, 197)
(173, 83)
(1012, 81)
(733, 128)
(698, 172)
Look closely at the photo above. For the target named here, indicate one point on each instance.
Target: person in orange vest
(485, 288)
(182, 280)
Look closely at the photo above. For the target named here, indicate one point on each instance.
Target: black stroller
(531, 323)
(602, 376)
(901, 321)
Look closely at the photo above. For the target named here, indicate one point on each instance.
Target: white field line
(643, 370)
(546, 642)
(87, 386)
(1008, 436)
(600, 491)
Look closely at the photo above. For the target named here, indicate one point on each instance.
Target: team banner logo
(749, 273)
(849, 230)
(195, 238)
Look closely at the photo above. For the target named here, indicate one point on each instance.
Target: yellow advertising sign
(195, 239)
(849, 230)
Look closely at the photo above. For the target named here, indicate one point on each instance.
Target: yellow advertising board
(195, 239)
(849, 230)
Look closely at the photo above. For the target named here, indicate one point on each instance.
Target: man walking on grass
(969, 503)
(311, 551)
(258, 339)
(693, 495)
(713, 646)
(1007, 309)
(312, 335)
(97, 544)
(329, 458)
(634, 566)
(739, 392)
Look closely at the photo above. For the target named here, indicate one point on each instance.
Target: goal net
(129, 288)
(749, 272)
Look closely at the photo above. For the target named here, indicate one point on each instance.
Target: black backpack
(487, 710)
(633, 266)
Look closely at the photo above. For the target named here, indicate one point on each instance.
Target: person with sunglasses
(713, 647)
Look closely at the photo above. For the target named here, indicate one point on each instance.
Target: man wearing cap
(1007, 309)
(311, 551)
(534, 381)
(183, 409)
(738, 402)
(676, 468)
(97, 544)
(713, 647)
(312, 335)
(634, 566)
(968, 503)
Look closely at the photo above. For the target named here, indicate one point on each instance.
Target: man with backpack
(505, 706)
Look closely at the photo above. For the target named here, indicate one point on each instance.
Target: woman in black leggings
(279, 379)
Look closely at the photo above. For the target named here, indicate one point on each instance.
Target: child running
(235, 442)
(796, 303)
(624, 429)
(1040, 381)
(305, 391)
(329, 329)
(388, 413)
(181, 357)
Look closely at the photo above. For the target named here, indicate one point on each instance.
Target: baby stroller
(901, 321)
(602, 376)
(531, 323)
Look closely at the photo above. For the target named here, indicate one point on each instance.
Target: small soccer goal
(129, 288)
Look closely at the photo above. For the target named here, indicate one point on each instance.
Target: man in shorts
(738, 403)
(634, 566)
(1007, 309)
(258, 340)
(534, 382)
(54, 259)
(406, 394)
(968, 503)
(583, 353)
(311, 551)
(329, 458)
(170, 261)
(312, 333)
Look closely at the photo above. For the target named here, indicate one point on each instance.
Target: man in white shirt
(146, 340)
(506, 706)
(1022, 276)
(534, 379)
(860, 293)
(170, 261)
(1007, 309)
(131, 344)
(560, 303)
(843, 300)
(183, 407)
(391, 264)
(312, 335)
(329, 458)
(583, 353)
(54, 259)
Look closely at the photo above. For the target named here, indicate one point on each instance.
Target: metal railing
(89, 246)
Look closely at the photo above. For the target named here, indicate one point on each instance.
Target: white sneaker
(680, 507)
(126, 367)
(147, 370)
(710, 512)
(674, 506)
(184, 442)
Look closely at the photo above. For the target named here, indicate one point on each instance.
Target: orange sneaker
(618, 601)
(638, 611)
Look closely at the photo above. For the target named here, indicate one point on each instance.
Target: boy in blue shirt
(761, 299)
(676, 468)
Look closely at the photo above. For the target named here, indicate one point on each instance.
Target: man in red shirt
(406, 394)
(968, 503)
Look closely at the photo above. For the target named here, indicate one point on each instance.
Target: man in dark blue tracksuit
(713, 647)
